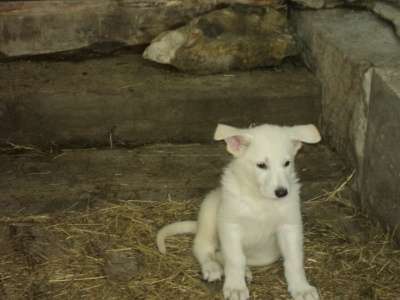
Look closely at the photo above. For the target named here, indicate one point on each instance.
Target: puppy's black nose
(281, 192)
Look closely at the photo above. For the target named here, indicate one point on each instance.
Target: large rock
(47, 26)
(240, 37)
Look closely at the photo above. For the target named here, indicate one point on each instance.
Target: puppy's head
(266, 154)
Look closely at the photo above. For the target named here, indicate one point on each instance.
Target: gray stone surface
(133, 101)
(381, 187)
(80, 178)
(121, 265)
(394, 2)
(311, 3)
(342, 46)
(47, 26)
(273, 3)
(240, 37)
(389, 12)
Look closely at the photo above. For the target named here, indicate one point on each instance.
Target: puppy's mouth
(279, 198)
(276, 196)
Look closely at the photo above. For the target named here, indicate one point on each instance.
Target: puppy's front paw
(212, 271)
(238, 291)
(306, 292)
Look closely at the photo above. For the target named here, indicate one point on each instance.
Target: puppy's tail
(173, 229)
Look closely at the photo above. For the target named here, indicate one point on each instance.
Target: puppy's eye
(262, 165)
(287, 163)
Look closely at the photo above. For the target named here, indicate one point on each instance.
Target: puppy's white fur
(247, 221)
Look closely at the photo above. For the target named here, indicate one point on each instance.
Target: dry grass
(62, 256)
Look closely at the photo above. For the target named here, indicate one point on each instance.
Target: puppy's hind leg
(206, 240)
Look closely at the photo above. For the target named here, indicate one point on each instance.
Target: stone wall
(380, 184)
(346, 48)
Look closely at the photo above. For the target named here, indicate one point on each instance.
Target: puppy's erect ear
(304, 134)
(235, 138)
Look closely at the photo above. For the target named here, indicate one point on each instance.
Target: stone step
(356, 56)
(32, 183)
(381, 169)
(129, 101)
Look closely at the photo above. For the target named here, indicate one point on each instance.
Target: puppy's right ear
(235, 138)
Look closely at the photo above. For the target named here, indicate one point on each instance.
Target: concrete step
(130, 101)
(33, 183)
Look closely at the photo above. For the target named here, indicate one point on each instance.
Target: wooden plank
(78, 178)
(81, 103)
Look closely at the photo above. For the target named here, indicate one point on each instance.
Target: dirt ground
(109, 253)
(105, 248)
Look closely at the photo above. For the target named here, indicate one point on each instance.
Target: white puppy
(254, 217)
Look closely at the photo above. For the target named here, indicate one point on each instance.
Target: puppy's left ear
(308, 134)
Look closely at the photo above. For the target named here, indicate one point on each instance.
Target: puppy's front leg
(235, 263)
(290, 239)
